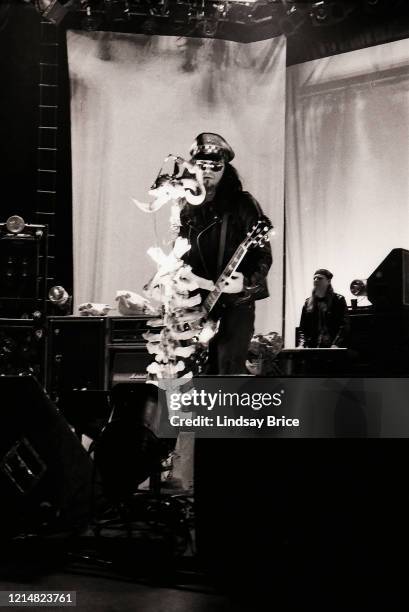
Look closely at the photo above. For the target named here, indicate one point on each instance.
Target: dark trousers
(228, 349)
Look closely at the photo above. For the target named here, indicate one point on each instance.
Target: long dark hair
(228, 188)
(230, 183)
(312, 300)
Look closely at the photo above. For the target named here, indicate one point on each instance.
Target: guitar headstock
(259, 233)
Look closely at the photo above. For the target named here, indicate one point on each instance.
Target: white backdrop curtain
(347, 168)
(135, 99)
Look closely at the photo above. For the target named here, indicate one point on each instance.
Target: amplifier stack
(95, 353)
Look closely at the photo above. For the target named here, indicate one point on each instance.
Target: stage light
(293, 20)
(51, 10)
(209, 27)
(319, 12)
(58, 295)
(359, 287)
(330, 13)
(222, 9)
(91, 21)
(60, 298)
(15, 224)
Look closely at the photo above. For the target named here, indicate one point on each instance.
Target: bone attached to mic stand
(178, 339)
(179, 334)
(183, 184)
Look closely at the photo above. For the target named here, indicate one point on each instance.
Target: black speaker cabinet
(23, 270)
(128, 365)
(127, 357)
(22, 347)
(388, 285)
(75, 353)
(95, 353)
(45, 474)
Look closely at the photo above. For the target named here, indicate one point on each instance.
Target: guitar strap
(222, 243)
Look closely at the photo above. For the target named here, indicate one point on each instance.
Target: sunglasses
(206, 164)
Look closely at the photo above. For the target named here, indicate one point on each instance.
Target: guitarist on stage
(215, 229)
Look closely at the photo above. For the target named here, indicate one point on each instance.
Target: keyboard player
(324, 318)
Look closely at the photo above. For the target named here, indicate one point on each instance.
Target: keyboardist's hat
(324, 272)
(211, 146)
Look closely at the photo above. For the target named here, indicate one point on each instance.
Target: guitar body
(210, 311)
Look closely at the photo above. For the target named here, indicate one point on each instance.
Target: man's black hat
(211, 146)
(324, 272)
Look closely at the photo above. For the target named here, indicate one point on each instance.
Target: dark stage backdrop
(19, 77)
(20, 44)
(135, 99)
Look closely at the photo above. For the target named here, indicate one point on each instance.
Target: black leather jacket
(324, 325)
(201, 225)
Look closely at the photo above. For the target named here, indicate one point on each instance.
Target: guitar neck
(231, 267)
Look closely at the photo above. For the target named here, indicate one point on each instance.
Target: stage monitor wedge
(45, 474)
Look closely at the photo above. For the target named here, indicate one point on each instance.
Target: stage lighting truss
(326, 13)
(206, 16)
(319, 14)
(202, 12)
